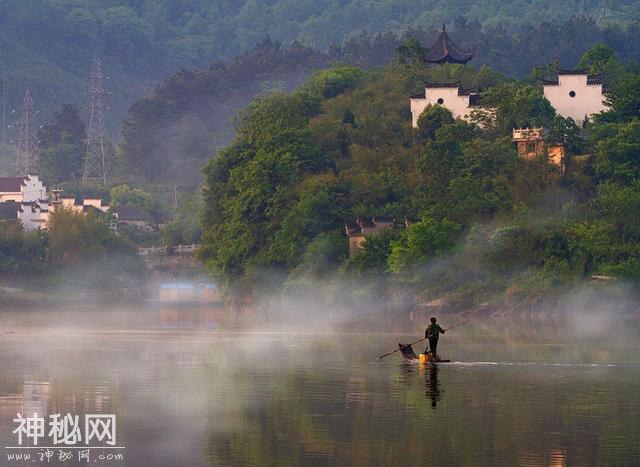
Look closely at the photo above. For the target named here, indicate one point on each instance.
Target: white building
(34, 215)
(575, 94)
(452, 96)
(25, 199)
(22, 189)
(78, 205)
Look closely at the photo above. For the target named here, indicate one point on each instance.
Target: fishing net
(407, 352)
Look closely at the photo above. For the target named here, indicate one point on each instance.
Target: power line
(95, 160)
(27, 156)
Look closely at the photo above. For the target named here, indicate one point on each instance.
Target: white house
(576, 94)
(81, 205)
(22, 189)
(452, 96)
(25, 199)
(34, 215)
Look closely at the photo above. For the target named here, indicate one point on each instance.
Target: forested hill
(169, 134)
(483, 225)
(48, 44)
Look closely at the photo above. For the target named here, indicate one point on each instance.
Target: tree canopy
(474, 221)
(62, 146)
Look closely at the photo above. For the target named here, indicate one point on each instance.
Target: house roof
(591, 79)
(455, 84)
(595, 79)
(126, 213)
(11, 184)
(383, 219)
(467, 91)
(475, 100)
(474, 97)
(366, 221)
(353, 230)
(445, 51)
(572, 72)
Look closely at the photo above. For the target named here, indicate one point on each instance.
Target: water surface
(191, 397)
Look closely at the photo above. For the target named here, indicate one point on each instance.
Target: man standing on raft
(433, 333)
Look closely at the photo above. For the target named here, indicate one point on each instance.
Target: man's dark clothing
(433, 333)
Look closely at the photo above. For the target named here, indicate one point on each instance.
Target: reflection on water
(431, 385)
(201, 397)
(429, 374)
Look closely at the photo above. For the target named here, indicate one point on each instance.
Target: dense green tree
(618, 151)
(21, 252)
(601, 59)
(48, 45)
(323, 255)
(484, 223)
(518, 106)
(62, 146)
(85, 247)
(619, 206)
(624, 99)
(124, 195)
(372, 261)
(411, 52)
(564, 131)
(317, 210)
(252, 186)
(185, 228)
(421, 242)
(332, 82)
(169, 134)
(433, 118)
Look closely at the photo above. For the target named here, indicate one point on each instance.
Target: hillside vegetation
(48, 45)
(486, 225)
(169, 134)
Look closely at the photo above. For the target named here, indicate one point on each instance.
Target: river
(192, 397)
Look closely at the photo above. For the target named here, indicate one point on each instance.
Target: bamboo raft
(409, 355)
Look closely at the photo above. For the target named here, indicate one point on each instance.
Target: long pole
(394, 351)
(4, 114)
(411, 343)
(456, 325)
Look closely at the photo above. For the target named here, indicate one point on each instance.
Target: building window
(441, 101)
(572, 93)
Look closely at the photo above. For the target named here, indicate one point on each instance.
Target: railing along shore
(181, 249)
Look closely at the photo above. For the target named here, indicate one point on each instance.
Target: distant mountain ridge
(48, 45)
(172, 132)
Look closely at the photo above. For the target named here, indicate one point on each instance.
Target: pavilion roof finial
(445, 51)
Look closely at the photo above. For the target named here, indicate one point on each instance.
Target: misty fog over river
(188, 396)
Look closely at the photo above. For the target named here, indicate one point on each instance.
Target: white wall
(70, 203)
(17, 197)
(33, 189)
(446, 97)
(96, 203)
(588, 99)
(33, 218)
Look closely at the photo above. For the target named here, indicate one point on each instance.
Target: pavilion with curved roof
(445, 51)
